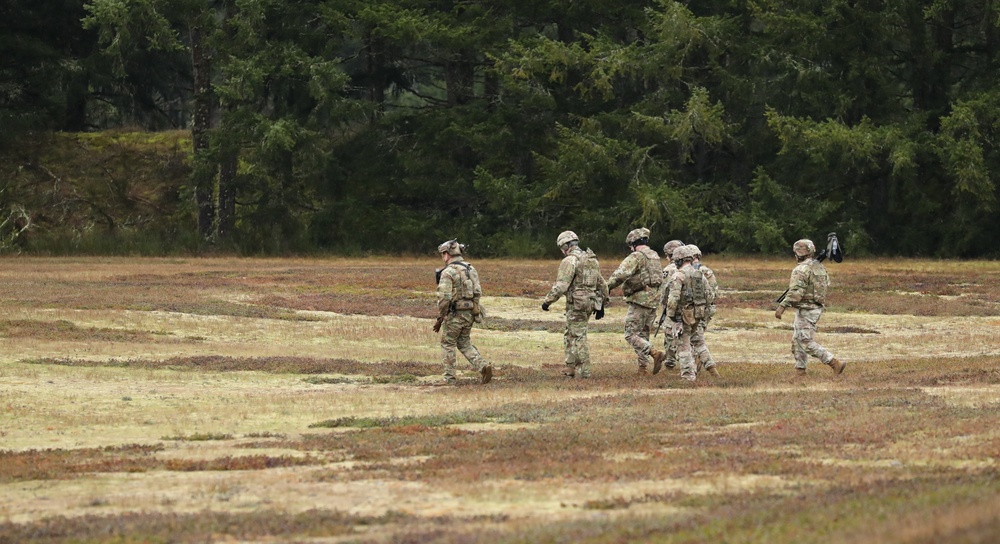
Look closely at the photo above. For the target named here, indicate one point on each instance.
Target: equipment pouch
(464, 304)
(583, 303)
(687, 314)
(699, 312)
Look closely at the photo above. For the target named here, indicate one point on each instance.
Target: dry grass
(208, 399)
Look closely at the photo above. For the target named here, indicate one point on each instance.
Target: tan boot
(642, 371)
(837, 366)
(713, 371)
(658, 357)
(486, 374)
(800, 372)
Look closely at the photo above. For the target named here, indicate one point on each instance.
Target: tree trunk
(227, 194)
(460, 74)
(203, 175)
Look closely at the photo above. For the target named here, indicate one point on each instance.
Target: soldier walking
(669, 342)
(458, 294)
(702, 355)
(687, 305)
(640, 276)
(579, 279)
(806, 293)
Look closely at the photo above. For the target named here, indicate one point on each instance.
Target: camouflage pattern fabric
(803, 337)
(579, 279)
(456, 329)
(669, 342)
(691, 342)
(808, 285)
(640, 276)
(456, 334)
(638, 324)
(713, 284)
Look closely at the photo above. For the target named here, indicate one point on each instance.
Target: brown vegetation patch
(70, 332)
(276, 365)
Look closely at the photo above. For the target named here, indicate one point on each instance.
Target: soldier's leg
(701, 354)
(464, 342)
(449, 340)
(635, 323)
(685, 356)
(669, 348)
(806, 332)
(578, 350)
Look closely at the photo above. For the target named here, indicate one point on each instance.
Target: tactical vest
(588, 271)
(467, 287)
(816, 291)
(650, 273)
(696, 291)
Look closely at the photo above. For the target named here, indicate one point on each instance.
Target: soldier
(640, 276)
(458, 294)
(806, 293)
(669, 342)
(687, 305)
(580, 280)
(702, 356)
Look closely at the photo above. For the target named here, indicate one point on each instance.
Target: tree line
(390, 125)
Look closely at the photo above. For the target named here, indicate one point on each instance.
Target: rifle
(660, 322)
(833, 249)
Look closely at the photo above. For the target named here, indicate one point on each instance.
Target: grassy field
(193, 400)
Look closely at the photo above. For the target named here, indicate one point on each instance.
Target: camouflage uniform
(580, 280)
(702, 355)
(669, 342)
(687, 305)
(640, 276)
(806, 293)
(458, 294)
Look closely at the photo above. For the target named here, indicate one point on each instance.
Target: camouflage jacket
(579, 276)
(668, 274)
(640, 277)
(457, 282)
(808, 285)
(712, 282)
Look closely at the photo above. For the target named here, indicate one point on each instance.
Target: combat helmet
(451, 247)
(669, 247)
(695, 251)
(566, 237)
(683, 252)
(804, 247)
(636, 235)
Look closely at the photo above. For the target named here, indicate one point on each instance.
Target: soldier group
(685, 289)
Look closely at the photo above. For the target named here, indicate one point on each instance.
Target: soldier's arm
(567, 268)
(673, 296)
(624, 272)
(796, 287)
(602, 289)
(444, 290)
(477, 288)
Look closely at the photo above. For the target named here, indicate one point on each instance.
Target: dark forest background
(353, 126)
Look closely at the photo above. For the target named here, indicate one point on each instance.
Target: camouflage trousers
(638, 324)
(691, 348)
(575, 343)
(803, 341)
(455, 334)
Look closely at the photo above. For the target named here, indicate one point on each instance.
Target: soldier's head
(637, 237)
(683, 255)
(567, 240)
(804, 249)
(695, 251)
(450, 249)
(669, 247)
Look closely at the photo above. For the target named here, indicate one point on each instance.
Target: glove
(779, 311)
(676, 329)
(599, 314)
(437, 324)
(545, 306)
